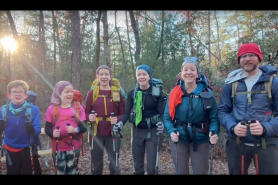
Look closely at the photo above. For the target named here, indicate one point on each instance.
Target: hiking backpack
(77, 111)
(267, 90)
(31, 100)
(115, 88)
(267, 86)
(157, 85)
(206, 98)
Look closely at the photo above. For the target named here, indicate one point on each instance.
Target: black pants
(21, 163)
(101, 142)
(139, 144)
(267, 158)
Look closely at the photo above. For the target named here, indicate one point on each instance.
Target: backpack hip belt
(193, 126)
(150, 121)
(241, 140)
(101, 119)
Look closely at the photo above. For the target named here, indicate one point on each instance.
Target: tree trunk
(43, 44)
(192, 51)
(26, 74)
(105, 39)
(76, 50)
(160, 48)
(238, 34)
(136, 35)
(97, 44)
(122, 49)
(43, 66)
(209, 36)
(129, 48)
(54, 23)
(218, 39)
(55, 27)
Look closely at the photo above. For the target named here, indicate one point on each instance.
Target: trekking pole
(75, 160)
(115, 144)
(211, 154)
(176, 144)
(31, 155)
(242, 150)
(255, 149)
(157, 153)
(56, 158)
(92, 141)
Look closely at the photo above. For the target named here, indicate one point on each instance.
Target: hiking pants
(21, 163)
(199, 158)
(66, 162)
(101, 142)
(267, 158)
(139, 144)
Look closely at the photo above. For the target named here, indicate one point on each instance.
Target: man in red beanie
(245, 110)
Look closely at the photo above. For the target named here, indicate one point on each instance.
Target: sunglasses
(187, 59)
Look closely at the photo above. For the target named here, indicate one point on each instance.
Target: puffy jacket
(260, 108)
(183, 113)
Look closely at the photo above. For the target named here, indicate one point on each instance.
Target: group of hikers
(190, 115)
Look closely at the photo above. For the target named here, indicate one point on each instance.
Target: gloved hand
(118, 126)
(160, 127)
(29, 128)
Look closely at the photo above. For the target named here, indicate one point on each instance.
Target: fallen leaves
(166, 165)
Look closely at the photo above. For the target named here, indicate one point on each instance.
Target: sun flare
(9, 44)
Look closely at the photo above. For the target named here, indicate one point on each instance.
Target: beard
(250, 68)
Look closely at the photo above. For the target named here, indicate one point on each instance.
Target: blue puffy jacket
(260, 108)
(15, 134)
(198, 115)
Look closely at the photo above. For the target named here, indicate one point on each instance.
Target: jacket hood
(236, 75)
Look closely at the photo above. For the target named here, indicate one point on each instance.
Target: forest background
(69, 45)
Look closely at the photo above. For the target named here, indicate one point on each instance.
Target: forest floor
(166, 166)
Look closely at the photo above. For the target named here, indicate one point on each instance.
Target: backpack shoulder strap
(234, 87)
(4, 112)
(56, 109)
(29, 112)
(268, 86)
(77, 111)
(134, 95)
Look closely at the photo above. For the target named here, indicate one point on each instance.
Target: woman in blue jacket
(191, 110)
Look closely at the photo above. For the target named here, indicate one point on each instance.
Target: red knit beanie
(249, 48)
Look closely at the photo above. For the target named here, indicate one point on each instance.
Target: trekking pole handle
(243, 123)
(212, 132)
(175, 131)
(92, 112)
(69, 134)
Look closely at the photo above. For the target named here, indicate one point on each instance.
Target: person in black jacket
(147, 119)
